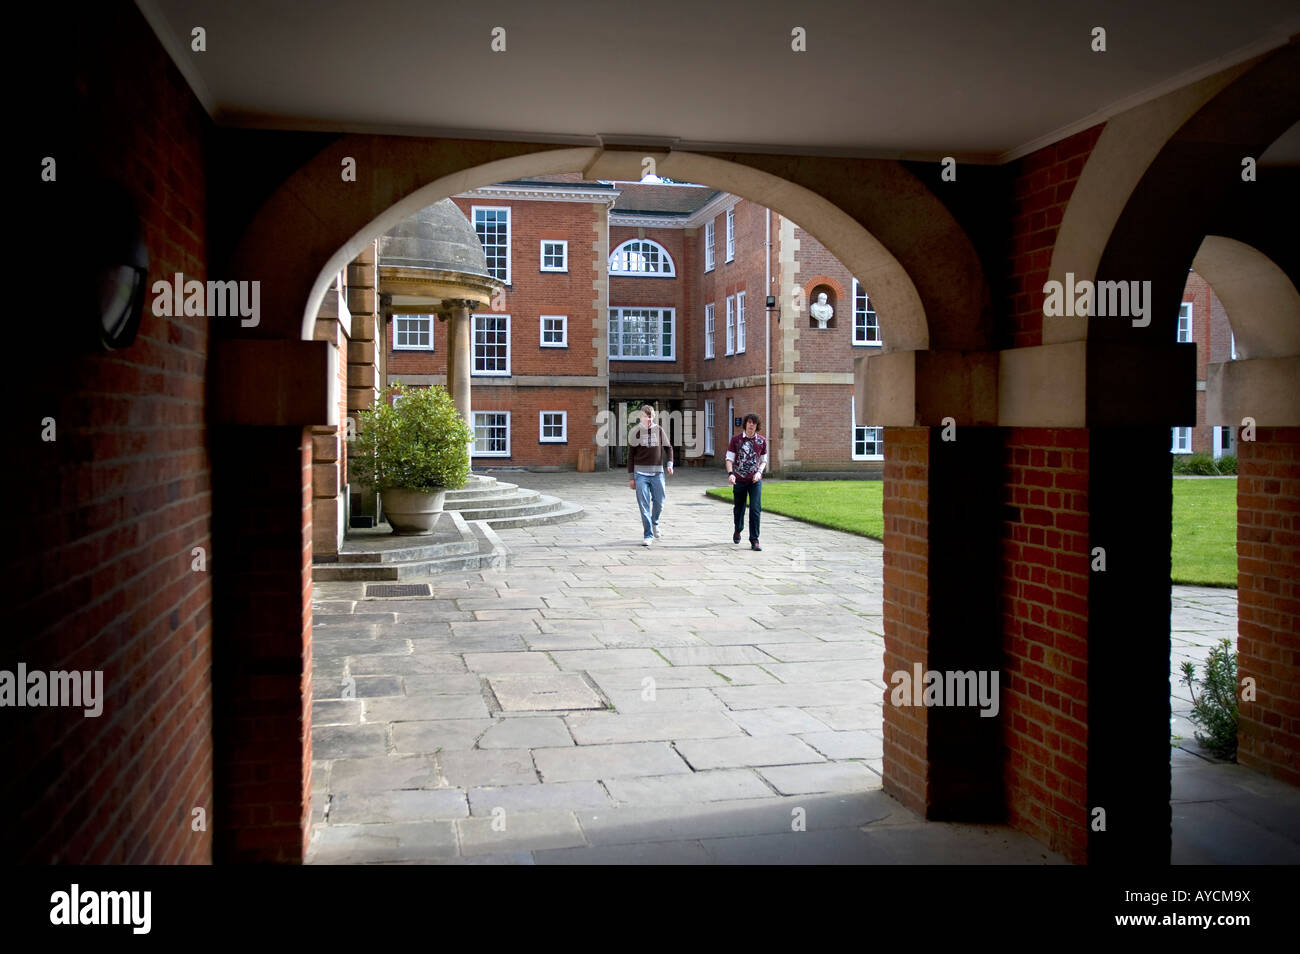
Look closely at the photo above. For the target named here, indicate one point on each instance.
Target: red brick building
(622, 293)
(1203, 321)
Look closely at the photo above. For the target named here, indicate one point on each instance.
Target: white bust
(821, 310)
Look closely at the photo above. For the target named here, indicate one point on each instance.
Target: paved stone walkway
(601, 702)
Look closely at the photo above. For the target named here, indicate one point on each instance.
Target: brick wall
(525, 405)
(1043, 183)
(906, 604)
(1268, 601)
(1045, 624)
(533, 293)
(103, 519)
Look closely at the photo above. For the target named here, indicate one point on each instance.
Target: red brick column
(1268, 601)
(262, 649)
(1045, 625)
(941, 612)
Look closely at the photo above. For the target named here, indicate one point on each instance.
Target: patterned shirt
(748, 455)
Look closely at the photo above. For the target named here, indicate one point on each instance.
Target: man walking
(649, 456)
(746, 458)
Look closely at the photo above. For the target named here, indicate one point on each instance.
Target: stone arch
(873, 215)
(1131, 198)
(1262, 303)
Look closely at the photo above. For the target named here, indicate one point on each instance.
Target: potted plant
(412, 449)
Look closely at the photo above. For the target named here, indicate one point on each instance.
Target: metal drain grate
(397, 589)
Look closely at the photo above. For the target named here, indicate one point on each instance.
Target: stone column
(459, 358)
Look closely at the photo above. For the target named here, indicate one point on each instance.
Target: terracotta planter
(411, 512)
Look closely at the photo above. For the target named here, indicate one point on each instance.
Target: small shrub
(1228, 464)
(1201, 465)
(421, 443)
(1215, 710)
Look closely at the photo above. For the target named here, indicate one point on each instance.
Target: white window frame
(564, 428)
(1180, 432)
(1232, 346)
(853, 443)
(619, 257)
(1185, 333)
(864, 342)
(667, 319)
(710, 422)
(740, 322)
(709, 323)
(410, 347)
(475, 452)
(564, 331)
(731, 324)
(474, 211)
(708, 245)
(473, 347)
(731, 234)
(564, 256)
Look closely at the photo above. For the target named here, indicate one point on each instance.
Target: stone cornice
(541, 194)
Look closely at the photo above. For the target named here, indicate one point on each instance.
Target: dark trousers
(754, 493)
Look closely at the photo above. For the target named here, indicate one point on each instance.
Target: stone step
(451, 536)
(490, 487)
(537, 506)
(489, 551)
(559, 511)
(514, 498)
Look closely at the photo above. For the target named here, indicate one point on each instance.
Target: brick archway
(910, 271)
(1139, 383)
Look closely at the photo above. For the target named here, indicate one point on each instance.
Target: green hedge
(1203, 465)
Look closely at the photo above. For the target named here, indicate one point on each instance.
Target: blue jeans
(650, 490)
(754, 492)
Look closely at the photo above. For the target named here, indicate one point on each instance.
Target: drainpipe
(609, 303)
(767, 320)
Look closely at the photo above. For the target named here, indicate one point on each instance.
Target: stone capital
(921, 388)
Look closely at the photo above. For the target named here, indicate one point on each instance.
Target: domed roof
(437, 237)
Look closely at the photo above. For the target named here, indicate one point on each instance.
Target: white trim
(565, 193)
(671, 323)
(864, 343)
(541, 428)
(731, 325)
(477, 453)
(474, 210)
(1185, 311)
(710, 325)
(473, 346)
(710, 210)
(853, 431)
(710, 421)
(1173, 440)
(1232, 346)
(740, 323)
(710, 237)
(564, 329)
(409, 347)
(731, 234)
(564, 256)
(667, 259)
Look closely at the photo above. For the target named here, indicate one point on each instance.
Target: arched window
(642, 257)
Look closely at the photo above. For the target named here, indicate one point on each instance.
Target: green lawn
(1205, 531)
(850, 505)
(1205, 518)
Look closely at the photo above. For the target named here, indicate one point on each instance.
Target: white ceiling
(985, 81)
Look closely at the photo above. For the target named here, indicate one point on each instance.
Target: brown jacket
(648, 449)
